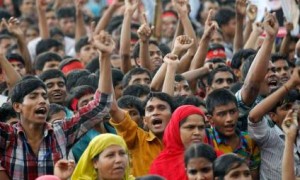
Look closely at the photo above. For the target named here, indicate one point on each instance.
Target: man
(85, 50)
(282, 67)
(223, 115)
(144, 146)
(32, 147)
(137, 76)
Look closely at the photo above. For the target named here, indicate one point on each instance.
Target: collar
(151, 136)
(47, 129)
(221, 139)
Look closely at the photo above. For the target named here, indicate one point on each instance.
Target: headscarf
(47, 177)
(85, 169)
(170, 162)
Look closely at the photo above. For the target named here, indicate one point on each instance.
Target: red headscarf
(170, 162)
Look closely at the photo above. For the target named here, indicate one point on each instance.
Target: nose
(229, 118)
(226, 85)
(118, 158)
(200, 176)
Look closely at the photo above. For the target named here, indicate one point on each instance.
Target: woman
(186, 127)
(106, 157)
(198, 160)
(231, 167)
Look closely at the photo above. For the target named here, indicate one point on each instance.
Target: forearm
(117, 115)
(251, 42)
(288, 172)
(199, 58)
(126, 63)
(11, 76)
(104, 21)
(158, 20)
(238, 37)
(168, 86)
(43, 27)
(195, 74)
(145, 56)
(105, 80)
(284, 47)
(80, 30)
(125, 35)
(25, 54)
(179, 31)
(188, 29)
(185, 62)
(158, 79)
(247, 31)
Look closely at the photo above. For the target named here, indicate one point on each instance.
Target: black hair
(5, 36)
(179, 77)
(7, 112)
(201, 8)
(53, 109)
(192, 100)
(117, 76)
(137, 90)
(225, 163)
(246, 65)
(134, 71)
(114, 23)
(219, 97)
(90, 80)
(83, 41)
(290, 97)
(14, 56)
(46, 44)
(236, 87)
(45, 57)
(24, 87)
(164, 48)
(56, 31)
(163, 97)
(93, 65)
(131, 102)
(240, 56)
(66, 12)
(199, 151)
(136, 49)
(77, 93)
(224, 15)
(4, 14)
(51, 74)
(212, 74)
(217, 60)
(73, 76)
(276, 57)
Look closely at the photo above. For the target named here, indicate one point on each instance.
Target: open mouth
(57, 95)
(42, 111)
(230, 127)
(273, 83)
(284, 79)
(157, 123)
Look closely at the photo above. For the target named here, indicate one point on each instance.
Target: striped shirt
(271, 143)
(19, 160)
(246, 149)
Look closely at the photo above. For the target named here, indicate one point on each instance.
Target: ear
(17, 107)
(145, 121)
(237, 72)
(95, 164)
(273, 116)
(210, 119)
(138, 61)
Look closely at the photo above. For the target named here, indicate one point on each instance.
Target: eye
(219, 81)
(192, 171)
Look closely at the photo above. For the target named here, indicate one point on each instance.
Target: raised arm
(240, 13)
(80, 30)
(144, 33)
(14, 28)
(181, 7)
(103, 22)
(172, 62)
(259, 67)
(11, 76)
(209, 28)
(256, 32)
(284, 47)
(290, 127)
(268, 103)
(125, 38)
(41, 6)
(251, 15)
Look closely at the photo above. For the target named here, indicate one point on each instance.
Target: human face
(207, 6)
(8, 5)
(58, 50)
(222, 79)
(229, 28)
(143, 79)
(84, 100)
(57, 116)
(112, 163)
(217, 38)
(87, 53)
(157, 115)
(31, 34)
(27, 7)
(51, 65)
(51, 19)
(283, 70)
(116, 61)
(5, 44)
(224, 119)
(155, 55)
(192, 130)
(19, 67)
(135, 115)
(240, 173)
(271, 80)
(56, 88)
(169, 26)
(279, 115)
(118, 91)
(199, 169)
(67, 25)
(182, 88)
(34, 108)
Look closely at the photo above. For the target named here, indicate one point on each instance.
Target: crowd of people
(149, 90)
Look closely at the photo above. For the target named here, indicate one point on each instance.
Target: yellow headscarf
(85, 169)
